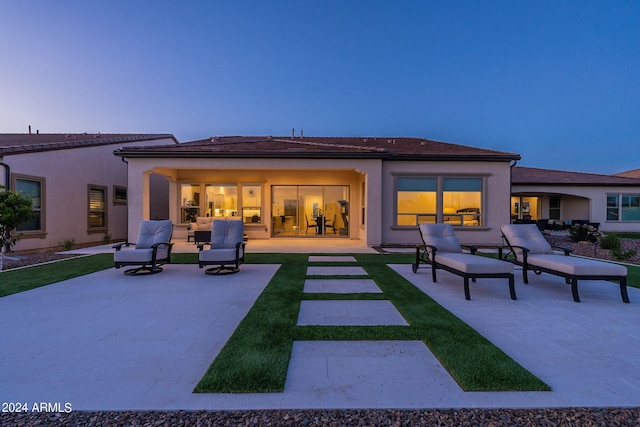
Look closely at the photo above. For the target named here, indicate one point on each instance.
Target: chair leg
(467, 295)
(623, 289)
(433, 272)
(525, 276)
(512, 288)
(574, 289)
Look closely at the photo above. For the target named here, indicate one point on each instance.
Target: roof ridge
(324, 144)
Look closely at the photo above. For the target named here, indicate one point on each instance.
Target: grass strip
(24, 279)
(257, 355)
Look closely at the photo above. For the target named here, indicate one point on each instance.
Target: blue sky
(555, 81)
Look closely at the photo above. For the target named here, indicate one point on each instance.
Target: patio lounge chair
(442, 250)
(227, 248)
(532, 251)
(152, 249)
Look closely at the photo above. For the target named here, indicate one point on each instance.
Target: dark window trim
(101, 229)
(42, 233)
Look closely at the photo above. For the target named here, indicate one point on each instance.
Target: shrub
(610, 241)
(623, 254)
(583, 232)
(68, 244)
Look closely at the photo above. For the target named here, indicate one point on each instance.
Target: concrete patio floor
(106, 341)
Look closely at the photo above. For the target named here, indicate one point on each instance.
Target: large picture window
(97, 208)
(221, 201)
(623, 207)
(457, 201)
(33, 187)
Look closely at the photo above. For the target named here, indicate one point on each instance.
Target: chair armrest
(157, 245)
(200, 247)
(566, 251)
(118, 246)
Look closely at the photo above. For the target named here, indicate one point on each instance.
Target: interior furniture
(530, 249)
(152, 248)
(442, 250)
(202, 224)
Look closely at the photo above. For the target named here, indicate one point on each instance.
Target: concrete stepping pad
(331, 258)
(341, 286)
(349, 313)
(336, 271)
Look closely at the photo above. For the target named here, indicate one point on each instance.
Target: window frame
(619, 209)
(42, 231)
(440, 214)
(105, 191)
(117, 200)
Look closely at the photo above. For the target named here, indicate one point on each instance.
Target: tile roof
(534, 176)
(18, 143)
(635, 173)
(319, 147)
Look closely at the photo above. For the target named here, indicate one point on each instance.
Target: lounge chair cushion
(441, 236)
(575, 266)
(226, 234)
(473, 264)
(139, 255)
(527, 236)
(219, 255)
(152, 232)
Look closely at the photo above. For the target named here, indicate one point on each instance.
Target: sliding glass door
(310, 210)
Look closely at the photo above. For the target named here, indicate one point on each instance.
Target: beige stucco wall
(67, 175)
(495, 204)
(583, 201)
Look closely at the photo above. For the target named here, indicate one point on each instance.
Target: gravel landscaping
(582, 417)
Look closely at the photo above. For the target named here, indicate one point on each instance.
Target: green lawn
(256, 357)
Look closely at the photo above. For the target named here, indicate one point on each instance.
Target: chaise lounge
(532, 251)
(442, 250)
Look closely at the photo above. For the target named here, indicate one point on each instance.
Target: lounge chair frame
(423, 257)
(570, 279)
(146, 267)
(224, 267)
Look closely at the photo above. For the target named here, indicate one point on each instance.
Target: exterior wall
(579, 201)
(67, 175)
(496, 196)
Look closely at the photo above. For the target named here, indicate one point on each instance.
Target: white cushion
(474, 264)
(203, 223)
(575, 265)
(226, 234)
(528, 236)
(218, 255)
(441, 236)
(152, 232)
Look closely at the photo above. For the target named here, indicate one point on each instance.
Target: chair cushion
(441, 236)
(474, 264)
(226, 234)
(203, 223)
(576, 266)
(218, 255)
(152, 232)
(139, 255)
(528, 236)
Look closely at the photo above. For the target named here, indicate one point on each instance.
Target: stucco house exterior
(612, 201)
(373, 189)
(79, 189)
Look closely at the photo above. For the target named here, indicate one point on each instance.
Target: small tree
(15, 209)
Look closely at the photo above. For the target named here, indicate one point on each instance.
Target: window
(457, 201)
(416, 200)
(97, 208)
(34, 187)
(251, 203)
(190, 202)
(119, 195)
(221, 200)
(623, 207)
(554, 208)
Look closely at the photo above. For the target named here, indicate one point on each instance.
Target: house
(79, 188)
(376, 190)
(564, 197)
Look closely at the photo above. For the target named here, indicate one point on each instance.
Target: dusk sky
(556, 81)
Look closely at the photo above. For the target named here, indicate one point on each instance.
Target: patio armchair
(227, 248)
(152, 249)
(442, 250)
(532, 251)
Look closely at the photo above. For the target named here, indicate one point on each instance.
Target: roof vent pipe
(29, 129)
(293, 133)
(301, 133)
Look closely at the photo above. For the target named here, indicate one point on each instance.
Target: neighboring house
(635, 173)
(373, 189)
(79, 188)
(563, 197)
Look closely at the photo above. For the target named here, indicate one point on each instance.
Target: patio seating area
(145, 346)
